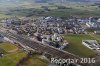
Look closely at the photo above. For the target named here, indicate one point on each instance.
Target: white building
(97, 32)
(91, 44)
(54, 37)
(60, 31)
(92, 24)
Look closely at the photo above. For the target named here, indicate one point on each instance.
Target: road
(41, 47)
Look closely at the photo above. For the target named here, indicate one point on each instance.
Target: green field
(76, 46)
(10, 58)
(96, 36)
(10, 9)
(93, 29)
(7, 46)
(16, 9)
(4, 16)
(81, 10)
(35, 61)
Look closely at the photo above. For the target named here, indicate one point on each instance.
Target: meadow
(24, 9)
(12, 54)
(76, 46)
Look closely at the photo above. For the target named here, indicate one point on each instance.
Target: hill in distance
(46, 1)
